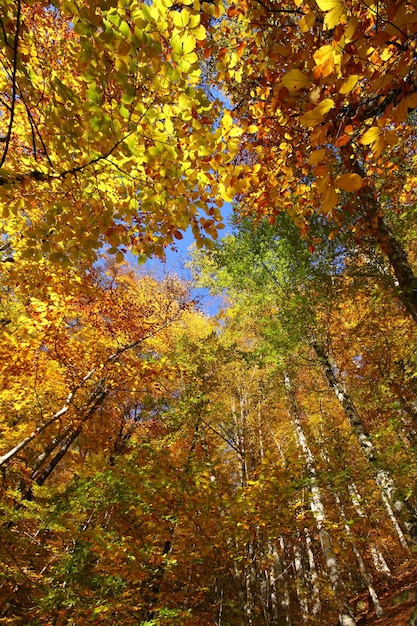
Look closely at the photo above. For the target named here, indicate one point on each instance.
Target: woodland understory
(160, 463)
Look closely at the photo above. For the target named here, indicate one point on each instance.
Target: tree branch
(12, 108)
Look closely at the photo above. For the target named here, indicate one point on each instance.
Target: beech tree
(107, 134)
(329, 88)
(160, 465)
(295, 297)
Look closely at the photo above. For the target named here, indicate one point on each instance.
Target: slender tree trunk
(156, 581)
(58, 457)
(240, 418)
(382, 477)
(41, 458)
(281, 568)
(239, 422)
(366, 575)
(380, 563)
(397, 256)
(299, 568)
(47, 471)
(408, 415)
(315, 591)
(317, 508)
(355, 497)
(407, 281)
(54, 418)
(249, 584)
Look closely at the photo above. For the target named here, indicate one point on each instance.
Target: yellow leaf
(349, 83)
(335, 11)
(351, 27)
(349, 182)
(324, 54)
(252, 129)
(329, 200)
(188, 43)
(370, 136)
(181, 19)
(169, 126)
(235, 132)
(295, 80)
(316, 156)
(227, 121)
(307, 22)
(315, 116)
(379, 146)
(327, 5)
(200, 33)
(225, 193)
(325, 105)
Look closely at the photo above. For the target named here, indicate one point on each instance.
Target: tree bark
(382, 477)
(315, 591)
(42, 477)
(407, 281)
(379, 561)
(385, 238)
(317, 508)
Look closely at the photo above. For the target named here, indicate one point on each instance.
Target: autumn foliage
(161, 465)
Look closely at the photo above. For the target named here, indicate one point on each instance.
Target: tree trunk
(317, 508)
(54, 418)
(315, 591)
(407, 281)
(301, 587)
(382, 477)
(385, 238)
(44, 475)
(366, 575)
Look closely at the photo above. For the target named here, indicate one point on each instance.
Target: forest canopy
(161, 465)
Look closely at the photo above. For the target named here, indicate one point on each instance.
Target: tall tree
(107, 136)
(329, 91)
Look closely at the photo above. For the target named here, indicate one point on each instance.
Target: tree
(160, 465)
(107, 135)
(291, 299)
(119, 329)
(329, 89)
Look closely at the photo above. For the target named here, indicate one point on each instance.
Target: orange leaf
(342, 141)
(349, 182)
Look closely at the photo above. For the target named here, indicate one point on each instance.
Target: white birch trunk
(317, 508)
(379, 561)
(281, 569)
(315, 591)
(366, 576)
(300, 582)
(382, 477)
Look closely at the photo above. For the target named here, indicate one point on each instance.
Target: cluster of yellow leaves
(112, 139)
(113, 332)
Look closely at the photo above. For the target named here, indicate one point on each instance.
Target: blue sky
(176, 260)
